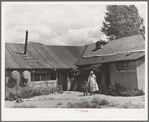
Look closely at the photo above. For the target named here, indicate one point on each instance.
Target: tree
(122, 21)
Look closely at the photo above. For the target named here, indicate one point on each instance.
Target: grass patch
(83, 104)
(24, 106)
(95, 103)
(130, 105)
(59, 103)
(99, 101)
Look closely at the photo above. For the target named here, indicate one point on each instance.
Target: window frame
(43, 76)
(122, 65)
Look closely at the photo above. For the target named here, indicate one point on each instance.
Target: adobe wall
(127, 78)
(140, 63)
(18, 86)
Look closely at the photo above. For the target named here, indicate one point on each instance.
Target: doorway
(106, 69)
(63, 79)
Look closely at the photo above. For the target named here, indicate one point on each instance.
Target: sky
(56, 24)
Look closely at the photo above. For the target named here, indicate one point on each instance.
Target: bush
(103, 102)
(42, 90)
(95, 103)
(29, 92)
(119, 90)
(95, 100)
(133, 92)
(59, 103)
(99, 101)
(70, 105)
(124, 93)
(84, 104)
(112, 91)
(11, 96)
(25, 93)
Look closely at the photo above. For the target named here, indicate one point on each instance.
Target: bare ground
(61, 100)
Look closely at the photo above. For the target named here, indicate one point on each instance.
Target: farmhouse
(122, 61)
(39, 64)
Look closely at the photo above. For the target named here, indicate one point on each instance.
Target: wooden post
(33, 77)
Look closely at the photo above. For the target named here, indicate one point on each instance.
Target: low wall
(141, 74)
(127, 78)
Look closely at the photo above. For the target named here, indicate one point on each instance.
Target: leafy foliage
(29, 92)
(118, 90)
(122, 21)
(81, 75)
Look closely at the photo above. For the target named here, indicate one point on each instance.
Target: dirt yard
(61, 101)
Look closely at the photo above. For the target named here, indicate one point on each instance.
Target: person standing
(92, 83)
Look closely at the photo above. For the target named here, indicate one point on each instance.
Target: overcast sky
(56, 24)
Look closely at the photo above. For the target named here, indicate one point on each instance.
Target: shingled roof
(128, 48)
(40, 56)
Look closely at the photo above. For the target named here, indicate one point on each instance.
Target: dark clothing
(85, 88)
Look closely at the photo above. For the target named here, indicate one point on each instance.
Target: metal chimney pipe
(26, 39)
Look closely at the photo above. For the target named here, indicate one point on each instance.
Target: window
(122, 65)
(43, 76)
(37, 77)
(52, 76)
